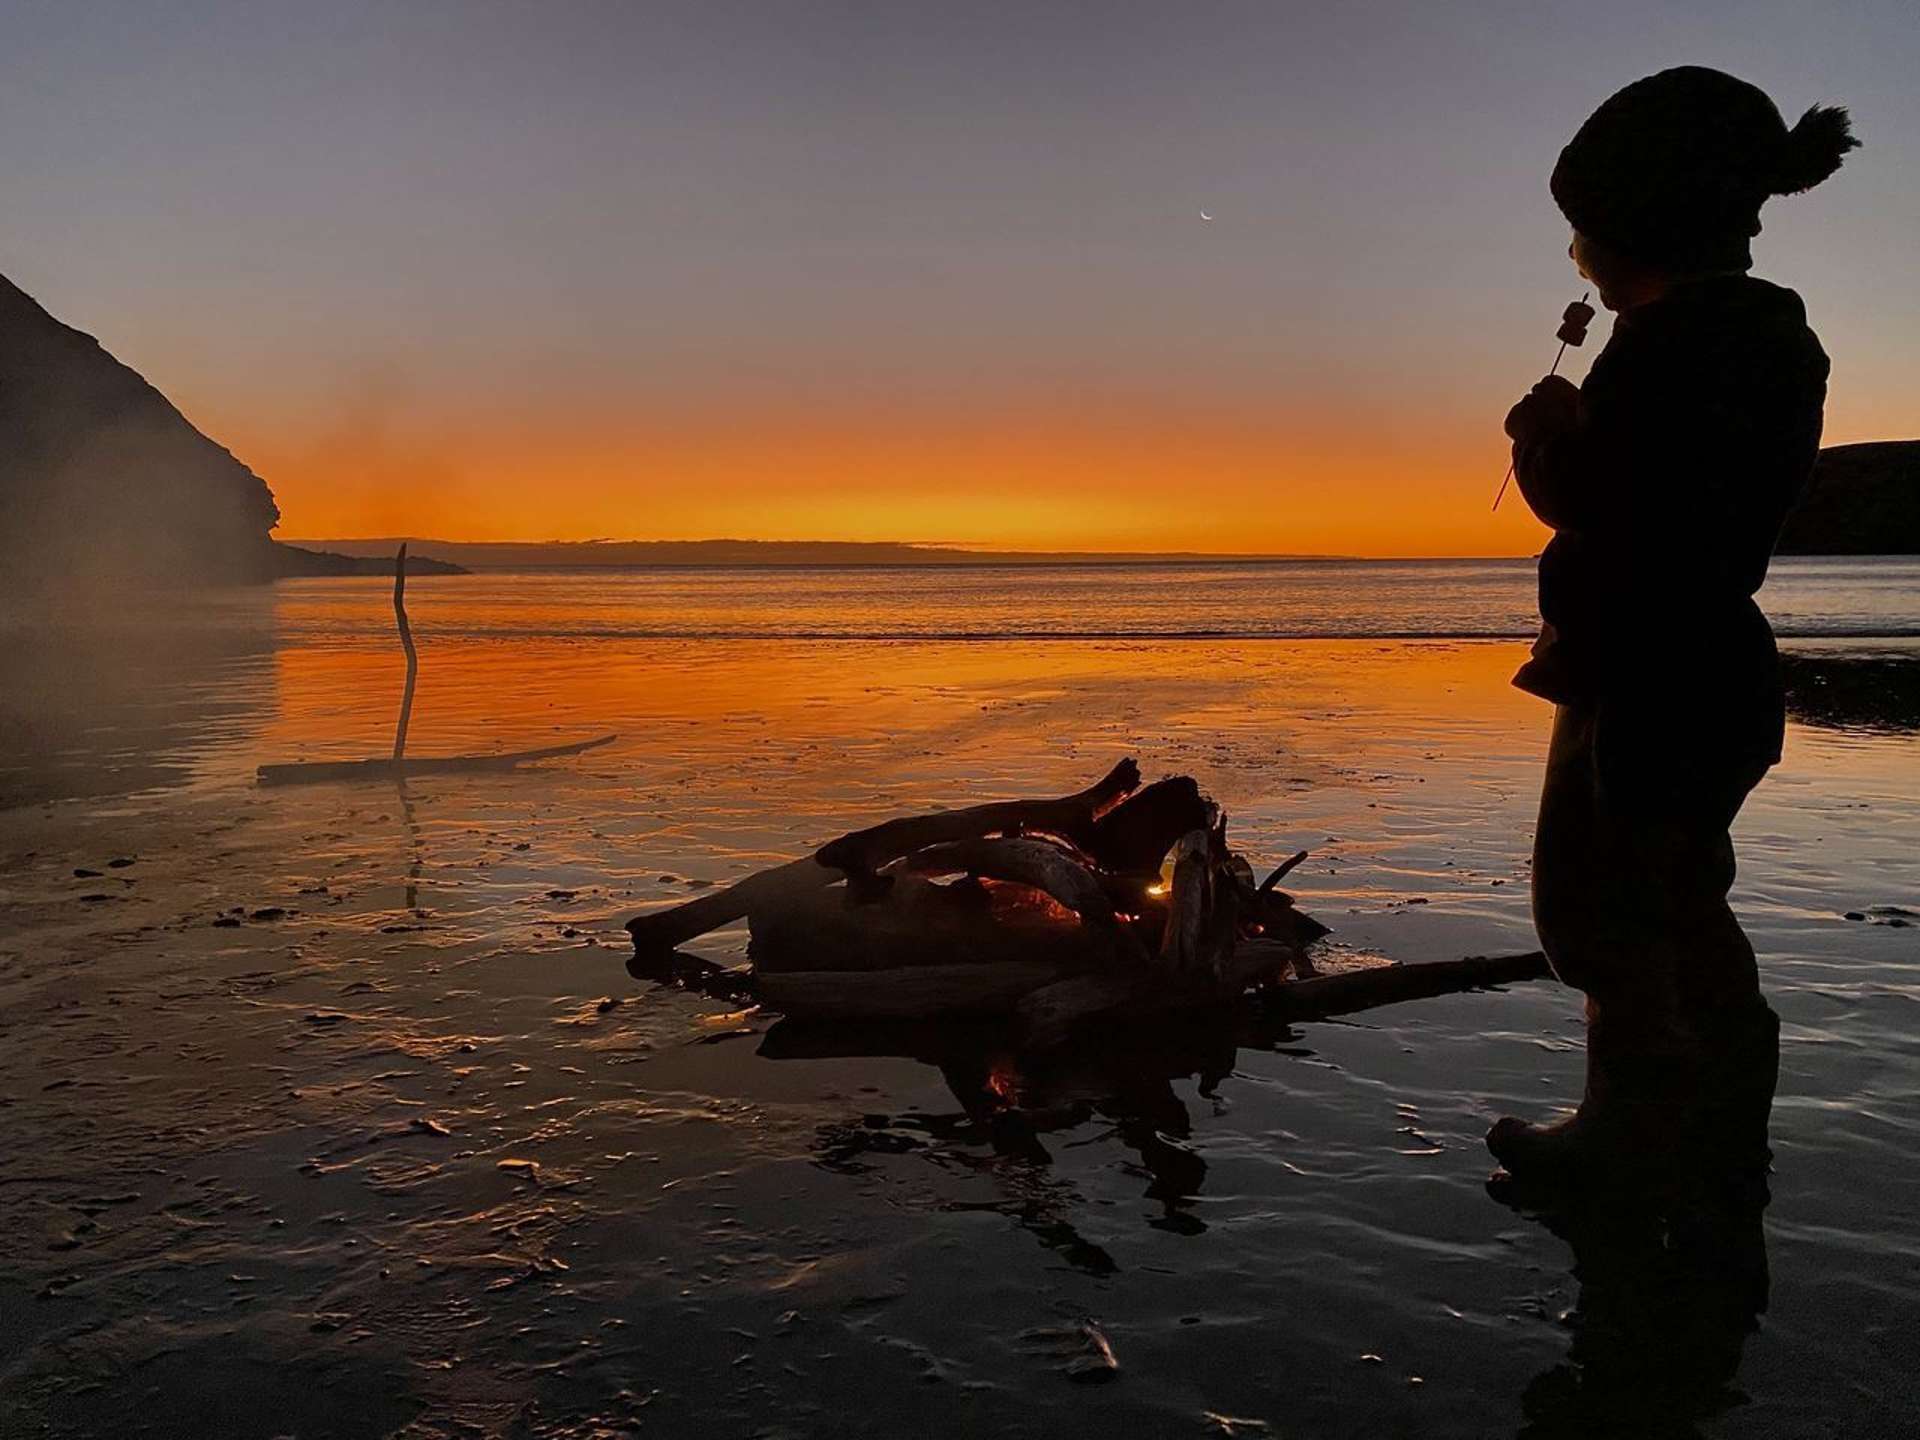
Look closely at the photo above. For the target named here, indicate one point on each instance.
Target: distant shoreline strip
(987, 637)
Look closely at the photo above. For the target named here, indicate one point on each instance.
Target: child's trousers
(1632, 862)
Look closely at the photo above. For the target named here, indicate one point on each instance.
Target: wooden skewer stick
(1555, 370)
(406, 643)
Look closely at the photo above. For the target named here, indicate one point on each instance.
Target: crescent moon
(1205, 216)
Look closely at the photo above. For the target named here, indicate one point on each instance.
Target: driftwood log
(381, 768)
(1109, 901)
(855, 859)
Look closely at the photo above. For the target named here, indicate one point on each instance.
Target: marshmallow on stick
(1573, 331)
(1573, 325)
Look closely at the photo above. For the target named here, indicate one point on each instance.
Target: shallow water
(1830, 597)
(344, 1091)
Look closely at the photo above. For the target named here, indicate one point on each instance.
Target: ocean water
(333, 1110)
(1301, 599)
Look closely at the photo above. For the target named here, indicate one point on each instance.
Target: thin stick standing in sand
(397, 766)
(1572, 331)
(406, 643)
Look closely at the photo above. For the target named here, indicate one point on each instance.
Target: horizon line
(930, 549)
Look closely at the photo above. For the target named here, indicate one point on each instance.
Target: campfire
(1119, 898)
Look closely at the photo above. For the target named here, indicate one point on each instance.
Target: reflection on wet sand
(1011, 1102)
(1669, 1287)
(112, 703)
(1673, 1278)
(1665, 1307)
(416, 845)
(1877, 690)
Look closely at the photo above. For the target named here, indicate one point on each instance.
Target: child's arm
(1553, 457)
(1581, 455)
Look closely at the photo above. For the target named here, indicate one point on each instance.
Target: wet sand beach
(333, 1110)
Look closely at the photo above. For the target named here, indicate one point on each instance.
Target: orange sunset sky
(904, 272)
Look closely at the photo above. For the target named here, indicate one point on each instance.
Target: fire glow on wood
(1054, 912)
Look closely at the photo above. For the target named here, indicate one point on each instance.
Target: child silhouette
(1666, 477)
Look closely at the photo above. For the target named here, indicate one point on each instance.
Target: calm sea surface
(333, 1109)
(1275, 600)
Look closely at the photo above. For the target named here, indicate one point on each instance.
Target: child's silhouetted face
(1621, 283)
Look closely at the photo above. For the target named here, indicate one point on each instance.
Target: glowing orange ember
(1003, 1080)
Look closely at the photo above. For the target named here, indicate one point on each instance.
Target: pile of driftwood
(1116, 899)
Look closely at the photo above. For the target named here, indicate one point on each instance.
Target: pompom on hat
(1672, 170)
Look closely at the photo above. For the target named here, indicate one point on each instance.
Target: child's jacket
(1698, 428)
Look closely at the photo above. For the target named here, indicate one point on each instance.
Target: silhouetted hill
(1864, 500)
(293, 560)
(102, 480)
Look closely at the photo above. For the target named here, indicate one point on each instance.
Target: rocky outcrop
(1864, 500)
(102, 481)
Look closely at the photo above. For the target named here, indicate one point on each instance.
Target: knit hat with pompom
(1672, 170)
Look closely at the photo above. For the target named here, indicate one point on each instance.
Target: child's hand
(1549, 408)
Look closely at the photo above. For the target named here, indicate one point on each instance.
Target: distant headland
(796, 554)
(1864, 500)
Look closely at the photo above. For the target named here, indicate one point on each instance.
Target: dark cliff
(103, 481)
(101, 478)
(1864, 500)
